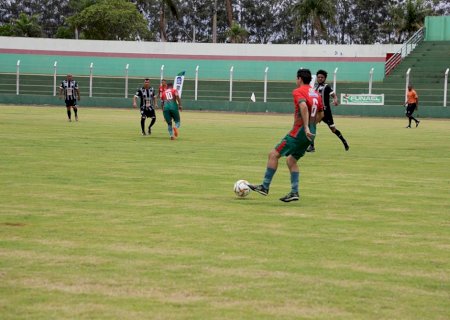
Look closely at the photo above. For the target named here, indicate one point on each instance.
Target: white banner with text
(362, 99)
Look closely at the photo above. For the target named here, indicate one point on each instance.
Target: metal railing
(405, 50)
(229, 89)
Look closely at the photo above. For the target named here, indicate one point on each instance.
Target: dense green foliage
(111, 20)
(23, 26)
(276, 21)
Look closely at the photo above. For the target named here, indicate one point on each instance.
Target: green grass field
(98, 222)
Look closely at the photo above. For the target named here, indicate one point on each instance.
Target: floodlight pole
(334, 79)
(265, 83)
(17, 77)
(54, 78)
(196, 82)
(370, 80)
(231, 83)
(407, 82)
(90, 79)
(126, 80)
(445, 87)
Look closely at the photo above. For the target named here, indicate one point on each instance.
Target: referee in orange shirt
(412, 103)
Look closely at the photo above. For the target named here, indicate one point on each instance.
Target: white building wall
(208, 49)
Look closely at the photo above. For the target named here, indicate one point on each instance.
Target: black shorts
(328, 117)
(410, 109)
(71, 103)
(148, 113)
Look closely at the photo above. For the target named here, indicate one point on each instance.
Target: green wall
(286, 107)
(208, 69)
(437, 28)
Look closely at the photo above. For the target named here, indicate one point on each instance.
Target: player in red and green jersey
(171, 109)
(308, 111)
(162, 87)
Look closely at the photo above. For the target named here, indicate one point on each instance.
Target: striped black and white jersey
(70, 89)
(326, 91)
(147, 96)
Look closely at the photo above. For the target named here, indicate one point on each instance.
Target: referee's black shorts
(410, 109)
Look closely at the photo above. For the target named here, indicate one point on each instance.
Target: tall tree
(345, 20)
(229, 10)
(51, 15)
(162, 17)
(237, 34)
(111, 20)
(26, 26)
(285, 29)
(414, 16)
(214, 22)
(259, 18)
(75, 8)
(369, 17)
(46, 13)
(392, 24)
(6, 30)
(162, 7)
(229, 18)
(314, 13)
(439, 7)
(276, 21)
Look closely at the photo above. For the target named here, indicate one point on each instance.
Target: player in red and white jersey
(171, 110)
(308, 111)
(162, 88)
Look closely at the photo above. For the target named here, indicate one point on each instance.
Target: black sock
(409, 118)
(75, 110)
(339, 135)
(143, 125)
(152, 123)
(413, 119)
(69, 114)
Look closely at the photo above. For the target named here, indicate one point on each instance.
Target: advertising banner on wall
(362, 99)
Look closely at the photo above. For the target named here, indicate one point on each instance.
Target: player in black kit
(70, 92)
(326, 91)
(148, 104)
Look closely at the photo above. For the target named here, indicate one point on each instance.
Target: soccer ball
(241, 188)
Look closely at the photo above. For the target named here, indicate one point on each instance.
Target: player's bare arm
(180, 107)
(305, 117)
(319, 116)
(335, 98)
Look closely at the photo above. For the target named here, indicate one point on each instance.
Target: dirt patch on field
(13, 224)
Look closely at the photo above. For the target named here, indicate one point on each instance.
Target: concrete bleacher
(428, 63)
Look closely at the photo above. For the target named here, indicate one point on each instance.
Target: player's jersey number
(169, 95)
(314, 107)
